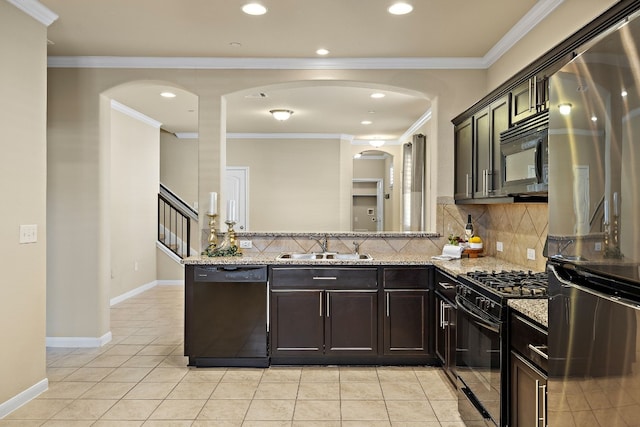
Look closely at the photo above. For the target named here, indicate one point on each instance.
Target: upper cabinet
(477, 152)
(529, 98)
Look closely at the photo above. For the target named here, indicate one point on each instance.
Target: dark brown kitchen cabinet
(477, 152)
(323, 314)
(464, 160)
(351, 322)
(529, 98)
(445, 323)
(407, 311)
(528, 378)
(297, 322)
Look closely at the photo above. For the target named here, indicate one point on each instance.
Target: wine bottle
(468, 229)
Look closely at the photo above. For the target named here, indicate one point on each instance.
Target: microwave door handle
(538, 167)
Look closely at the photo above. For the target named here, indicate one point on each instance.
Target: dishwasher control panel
(231, 273)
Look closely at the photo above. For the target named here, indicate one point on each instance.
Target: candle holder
(229, 245)
(213, 235)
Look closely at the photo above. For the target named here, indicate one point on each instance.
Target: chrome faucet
(323, 242)
(356, 249)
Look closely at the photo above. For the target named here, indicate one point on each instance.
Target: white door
(237, 188)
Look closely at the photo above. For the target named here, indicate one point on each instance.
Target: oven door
(478, 359)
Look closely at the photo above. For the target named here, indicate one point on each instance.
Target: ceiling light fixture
(377, 95)
(322, 52)
(565, 109)
(281, 115)
(254, 9)
(400, 8)
(377, 143)
(357, 155)
(366, 122)
(167, 94)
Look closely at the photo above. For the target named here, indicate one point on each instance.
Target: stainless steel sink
(324, 256)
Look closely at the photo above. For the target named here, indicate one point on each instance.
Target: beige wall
(135, 177)
(294, 185)
(179, 166)
(23, 166)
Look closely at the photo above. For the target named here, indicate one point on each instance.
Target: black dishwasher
(226, 315)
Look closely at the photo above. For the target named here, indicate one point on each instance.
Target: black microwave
(524, 150)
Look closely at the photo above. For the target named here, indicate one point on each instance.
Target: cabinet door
(441, 332)
(523, 101)
(464, 160)
(351, 325)
(499, 113)
(297, 326)
(482, 148)
(406, 322)
(528, 394)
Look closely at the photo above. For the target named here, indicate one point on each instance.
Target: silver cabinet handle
(327, 304)
(537, 403)
(532, 89)
(320, 299)
(543, 418)
(441, 314)
(446, 286)
(324, 278)
(536, 349)
(387, 304)
(468, 186)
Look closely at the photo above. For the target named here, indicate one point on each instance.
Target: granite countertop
(535, 309)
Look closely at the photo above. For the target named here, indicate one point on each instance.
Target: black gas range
(482, 348)
(488, 291)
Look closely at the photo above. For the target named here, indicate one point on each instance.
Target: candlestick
(615, 203)
(213, 236)
(213, 203)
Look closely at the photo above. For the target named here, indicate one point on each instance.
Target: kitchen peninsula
(378, 311)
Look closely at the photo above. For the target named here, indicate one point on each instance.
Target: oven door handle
(478, 317)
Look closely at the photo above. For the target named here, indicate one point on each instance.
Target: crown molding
(265, 63)
(134, 114)
(187, 135)
(340, 136)
(537, 13)
(36, 10)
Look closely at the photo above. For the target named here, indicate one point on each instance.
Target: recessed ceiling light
(167, 94)
(322, 52)
(377, 95)
(377, 143)
(400, 8)
(357, 155)
(235, 44)
(366, 122)
(254, 9)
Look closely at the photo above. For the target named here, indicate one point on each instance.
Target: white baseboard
(133, 293)
(78, 342)
(23, 398)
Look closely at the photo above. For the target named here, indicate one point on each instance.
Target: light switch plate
(246, 244)
(531, 254)
(29, 233)
(499, 247)
(598, 247)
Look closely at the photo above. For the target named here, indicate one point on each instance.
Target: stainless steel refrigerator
(594, 234)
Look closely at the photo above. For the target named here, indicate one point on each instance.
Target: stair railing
(174, 222)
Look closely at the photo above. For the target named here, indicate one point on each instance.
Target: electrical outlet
(598, 247)
(499, 247)
(531, 254)
(246, 244)
(29, 233)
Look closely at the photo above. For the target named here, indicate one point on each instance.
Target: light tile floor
(141, 378)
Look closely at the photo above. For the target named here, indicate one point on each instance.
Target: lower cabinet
(528, 378)
(445, 323)
(407, 311)
(528, 394)
(317, 322)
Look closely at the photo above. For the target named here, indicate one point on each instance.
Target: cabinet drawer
(406, 278)
(445, 285)
(324, 277)
(529, 339)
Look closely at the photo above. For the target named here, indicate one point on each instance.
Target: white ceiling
(448, 31)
